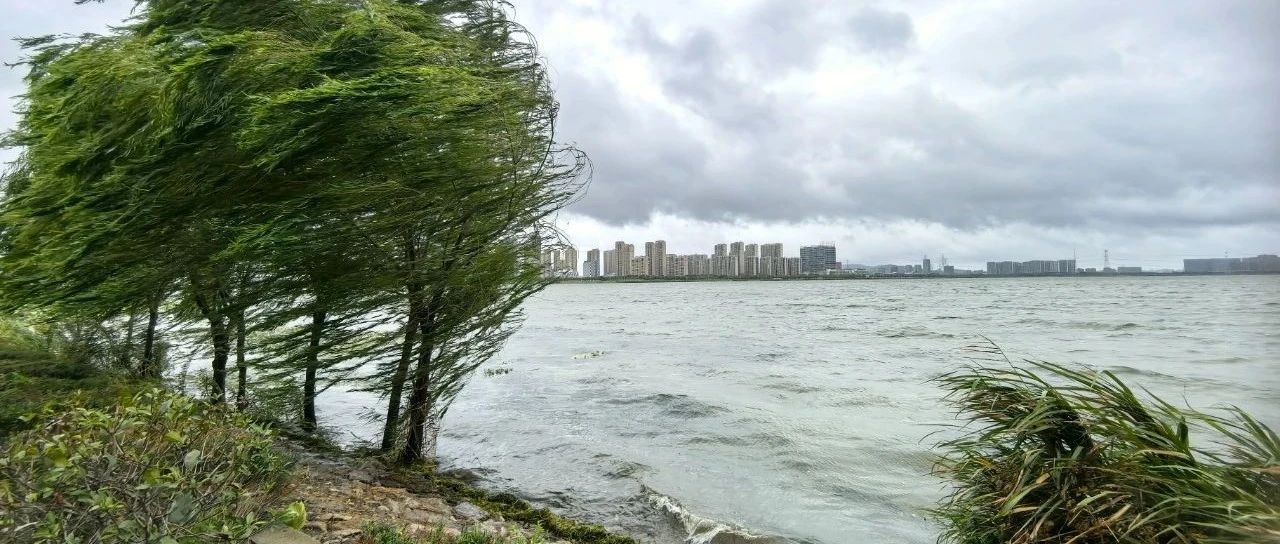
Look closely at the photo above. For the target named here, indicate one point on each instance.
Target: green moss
(510, 507)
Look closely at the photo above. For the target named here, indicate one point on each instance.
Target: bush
(1060, 455)
(31, 376)
(159, 467)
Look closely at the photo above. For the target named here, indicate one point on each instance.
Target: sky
(983, 130)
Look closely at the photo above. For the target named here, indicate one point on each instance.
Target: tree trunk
(221, 350)
(126, 351)
(392, 424)
(151, 367)
(221, 343)
(397, 381)
(419, 409)
(313, 365)
(242, 368)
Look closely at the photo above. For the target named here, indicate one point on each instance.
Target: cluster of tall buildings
(737, 259)
(560, 261)
(1061, 266)
(1228, 265)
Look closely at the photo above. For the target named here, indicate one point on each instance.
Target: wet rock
(279, 534)
(469, 512)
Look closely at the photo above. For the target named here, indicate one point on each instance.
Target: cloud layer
(1092, 118)
(1122, 124)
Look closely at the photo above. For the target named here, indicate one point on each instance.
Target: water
(800, 409)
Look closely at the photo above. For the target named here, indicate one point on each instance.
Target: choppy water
(801, 409)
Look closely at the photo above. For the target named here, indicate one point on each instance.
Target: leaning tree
(357, 182)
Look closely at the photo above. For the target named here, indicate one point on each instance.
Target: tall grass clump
(1054, 454)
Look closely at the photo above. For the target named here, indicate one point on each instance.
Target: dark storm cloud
(1097, 115)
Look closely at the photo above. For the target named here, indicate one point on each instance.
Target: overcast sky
(979, 130)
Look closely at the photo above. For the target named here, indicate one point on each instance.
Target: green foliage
(31, 376)
(1054, 454)
(156, 466)
(294, 515)
(245, 167)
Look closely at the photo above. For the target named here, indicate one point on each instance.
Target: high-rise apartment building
(568, 263)
(818, 259)
(771, 250)
(639, 266)
(656, 253)
(624, 252)
(697, 265)
(591, 266)
(928, 266)
(751, 250)
(721, 250)
(791, 266)
(610, 262)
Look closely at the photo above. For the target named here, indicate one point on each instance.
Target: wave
(681, 406)
(913, 332)
(700, 530)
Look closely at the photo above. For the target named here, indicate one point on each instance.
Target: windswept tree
(345, 182)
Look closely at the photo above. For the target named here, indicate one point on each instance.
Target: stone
(424, 517)
(431, 504)
(469, 512)
(279, 534)
(314, 526)
(360, 475)
(496, 528)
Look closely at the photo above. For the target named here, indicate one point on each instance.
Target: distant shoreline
(839, 277)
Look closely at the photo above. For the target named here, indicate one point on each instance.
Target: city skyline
(753, 259)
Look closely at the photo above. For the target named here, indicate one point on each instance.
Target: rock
(315, 526)
(360, 475)
(279, 534)
(430, 504)
(425, 517)
(496, 528)
(469, 512)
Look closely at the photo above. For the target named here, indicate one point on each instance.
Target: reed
(1056, 454)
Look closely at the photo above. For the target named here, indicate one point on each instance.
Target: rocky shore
(344, 496)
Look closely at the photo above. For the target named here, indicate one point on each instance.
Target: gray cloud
(1121, 120)
(880, 30)
(1098, 116)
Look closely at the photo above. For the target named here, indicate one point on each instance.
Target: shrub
(1061, 455)
(159, 467)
